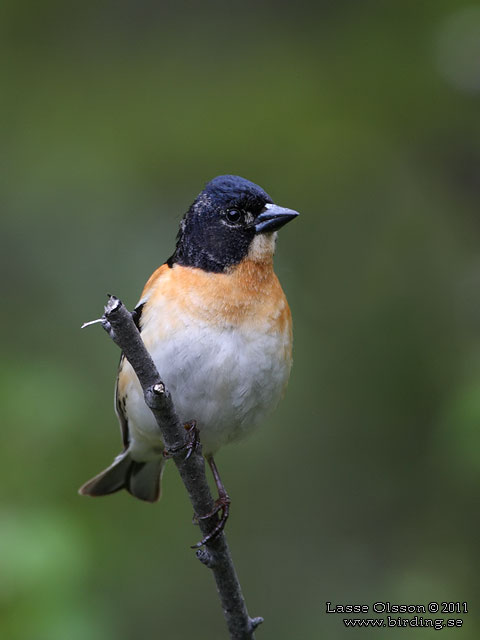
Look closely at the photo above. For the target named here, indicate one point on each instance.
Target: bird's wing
(120, 408)
(120, 400)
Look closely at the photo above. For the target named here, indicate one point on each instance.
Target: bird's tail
(141, 479)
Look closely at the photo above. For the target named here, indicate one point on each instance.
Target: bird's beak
(272, 217)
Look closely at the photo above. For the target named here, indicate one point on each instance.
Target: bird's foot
(190, 445)
(221, 507)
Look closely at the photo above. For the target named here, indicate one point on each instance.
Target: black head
(218, 229)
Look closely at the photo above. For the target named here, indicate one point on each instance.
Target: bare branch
(215, 555)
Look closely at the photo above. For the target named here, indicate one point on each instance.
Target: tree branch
(119, 324)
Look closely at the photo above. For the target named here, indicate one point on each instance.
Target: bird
(218, 326)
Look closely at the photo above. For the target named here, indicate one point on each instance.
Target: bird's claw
(222, 506)
(190, 445)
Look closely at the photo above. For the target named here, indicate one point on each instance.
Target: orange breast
(248, 294)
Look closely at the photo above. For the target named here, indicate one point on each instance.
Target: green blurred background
(364, 486)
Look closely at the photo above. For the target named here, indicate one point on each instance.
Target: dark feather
(137, 314)
(120, 403)
(205, 239)
(120, 410)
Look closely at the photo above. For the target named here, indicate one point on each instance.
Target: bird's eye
(233, 215)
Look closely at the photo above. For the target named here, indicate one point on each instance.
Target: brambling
(218, 326)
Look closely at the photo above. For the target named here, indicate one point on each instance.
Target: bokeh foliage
(364, 486)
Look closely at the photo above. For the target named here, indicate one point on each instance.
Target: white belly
(226, 379)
